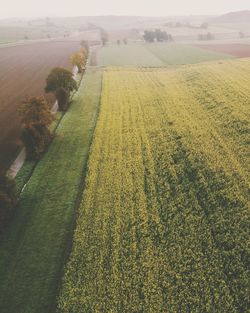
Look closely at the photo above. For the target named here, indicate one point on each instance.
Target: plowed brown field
(237, 50)
(23, 70)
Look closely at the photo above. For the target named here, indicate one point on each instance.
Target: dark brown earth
(237, 50)
(23, 71)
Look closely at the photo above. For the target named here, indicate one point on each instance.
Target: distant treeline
(187, 25)
(208, 36)
(157, 35)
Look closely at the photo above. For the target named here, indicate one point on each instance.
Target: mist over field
(124, 156)
(30, 8)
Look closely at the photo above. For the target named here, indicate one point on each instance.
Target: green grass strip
(34, 248)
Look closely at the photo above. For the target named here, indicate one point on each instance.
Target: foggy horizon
(160, 8)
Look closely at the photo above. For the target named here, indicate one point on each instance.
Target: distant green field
(5, 41)
(132, 54)
(177, 54)
(10, 34)
(155, 55)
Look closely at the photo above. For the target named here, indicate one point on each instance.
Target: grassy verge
(28, 167)
(24, 174)
(33, 250)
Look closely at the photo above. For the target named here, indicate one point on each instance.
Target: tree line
(207, 36)
(157, 35)
(36, 118)
(124, 41)
(203, 25)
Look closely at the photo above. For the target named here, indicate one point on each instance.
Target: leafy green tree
(149, 36)
(60, 78)
(158, 35)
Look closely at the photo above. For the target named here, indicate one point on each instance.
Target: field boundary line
(79, 198)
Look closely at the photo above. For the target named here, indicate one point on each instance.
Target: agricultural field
(14, 34)
(177, 54)
(133, 54)
(154, 55)
(23, 73)
(237, 50)
(34, 247)
(164, 221)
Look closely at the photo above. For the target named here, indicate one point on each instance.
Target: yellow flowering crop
(164, 221)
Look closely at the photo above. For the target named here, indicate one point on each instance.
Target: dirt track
(237, 50)
(23, 70)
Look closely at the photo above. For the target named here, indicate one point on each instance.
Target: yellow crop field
(164, 221)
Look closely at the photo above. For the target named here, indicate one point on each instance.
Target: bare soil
(23, 73)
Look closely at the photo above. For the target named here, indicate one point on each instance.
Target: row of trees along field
(104, 36)
(36, 117)
(124, 40)
(203, 25)
(207, 36)
(157, 35)
(210, 36)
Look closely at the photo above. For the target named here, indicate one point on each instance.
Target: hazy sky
(28, 8)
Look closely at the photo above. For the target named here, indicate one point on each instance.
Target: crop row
(164, 222)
